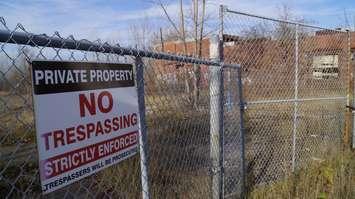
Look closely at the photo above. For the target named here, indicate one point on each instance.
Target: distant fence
(296, 88)
(208, 128)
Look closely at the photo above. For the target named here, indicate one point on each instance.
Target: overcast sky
(112, 19)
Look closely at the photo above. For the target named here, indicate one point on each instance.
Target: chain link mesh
(233, 157)
(177, 104)
(295, 85)
(178, 131)
(19, 158)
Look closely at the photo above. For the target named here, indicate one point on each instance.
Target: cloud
(83, 19)
(326, 13)
(112, 20)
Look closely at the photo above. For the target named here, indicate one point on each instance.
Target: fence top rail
(226, 9)
(43, 40)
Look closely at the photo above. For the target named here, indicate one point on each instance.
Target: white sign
(86, 119)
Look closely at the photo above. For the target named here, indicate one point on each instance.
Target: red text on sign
(73, 159)
(81, 132)
(90, 104)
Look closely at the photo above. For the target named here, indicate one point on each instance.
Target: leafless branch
(168, 17)
(183, 26)
(201, 29)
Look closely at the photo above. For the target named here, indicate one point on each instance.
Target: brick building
(322, 59)
(270, 63)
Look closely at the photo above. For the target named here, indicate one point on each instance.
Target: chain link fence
(19, 157)
(295, 80)
(178, 156)
(206, 130)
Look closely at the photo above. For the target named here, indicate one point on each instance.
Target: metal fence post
(222, 9)
(216, 120)
(351, 86)
(350, 120)
(242, 130)
(143, 138)
(295, 111)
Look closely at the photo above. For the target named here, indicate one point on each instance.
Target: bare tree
(346, 20)
(275, 30)
(142, 33)
(197, 34)
(259, 30)
(285, 30)
(198, 46)
(182, 26)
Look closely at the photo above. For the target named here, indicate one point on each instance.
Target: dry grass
(179, 152)
(178, 148)
(332, 178)
(16, 119)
